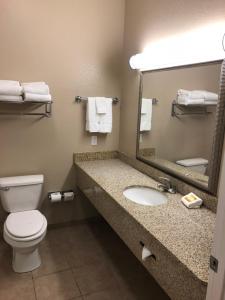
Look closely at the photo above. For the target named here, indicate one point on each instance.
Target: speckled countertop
(186, 233)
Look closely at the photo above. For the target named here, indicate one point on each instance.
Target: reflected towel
(146, 118)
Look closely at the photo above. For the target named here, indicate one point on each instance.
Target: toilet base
(25, 260)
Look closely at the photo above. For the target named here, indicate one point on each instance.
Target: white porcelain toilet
(198, 164)
(25, 227)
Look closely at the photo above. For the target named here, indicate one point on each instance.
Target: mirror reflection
(177, 119)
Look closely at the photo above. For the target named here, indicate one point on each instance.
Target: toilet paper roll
(55, 197)
(145, 253)
(68, 196)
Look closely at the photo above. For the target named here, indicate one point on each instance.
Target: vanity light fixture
(205, 44)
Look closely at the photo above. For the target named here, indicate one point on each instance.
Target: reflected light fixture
(204, 44)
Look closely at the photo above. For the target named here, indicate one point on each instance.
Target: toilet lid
(25, 223)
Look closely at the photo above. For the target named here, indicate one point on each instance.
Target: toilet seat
(24, 224)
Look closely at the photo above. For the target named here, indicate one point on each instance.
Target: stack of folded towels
(36, 91)
(10, 91)
(196, 97)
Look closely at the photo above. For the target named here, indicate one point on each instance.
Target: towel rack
(79, 99)
(183, 110)
(47, 111)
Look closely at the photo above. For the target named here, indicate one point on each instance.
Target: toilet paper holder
(64, 195)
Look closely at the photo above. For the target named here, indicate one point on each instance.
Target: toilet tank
(21, 193)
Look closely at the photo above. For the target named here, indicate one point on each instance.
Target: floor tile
(110, 294)
(85, 253)
(21, 289)
(58, 286)
(94, 278)
(53, 260)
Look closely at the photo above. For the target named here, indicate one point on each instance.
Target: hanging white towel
(37, 97)
(105, 120)
(101, 105)
(98, 122)
(92, 118)
(146, 117)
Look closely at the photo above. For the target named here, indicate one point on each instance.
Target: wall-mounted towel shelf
(79, 99)
(179, 110)
(47, 108)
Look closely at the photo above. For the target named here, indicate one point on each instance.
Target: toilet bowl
(198, 164)
(25, 226)
(25, 238)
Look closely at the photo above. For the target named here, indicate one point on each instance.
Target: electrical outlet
(94, 140)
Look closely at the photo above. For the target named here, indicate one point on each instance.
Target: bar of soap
(191, 200)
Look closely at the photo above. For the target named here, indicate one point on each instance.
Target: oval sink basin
(145, 195)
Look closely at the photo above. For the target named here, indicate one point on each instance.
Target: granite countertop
(186, 233)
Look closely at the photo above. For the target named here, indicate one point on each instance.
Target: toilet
(198, 164)
(25, 226)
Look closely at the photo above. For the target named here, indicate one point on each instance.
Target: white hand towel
(98, 122)
(105, 120)
(146, 118)
(92, 118)
(101, 105)
(10, 98)
(37, 97)
(12, 90)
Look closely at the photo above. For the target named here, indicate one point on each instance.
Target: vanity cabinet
(176, 279)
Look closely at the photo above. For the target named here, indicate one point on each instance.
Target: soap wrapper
(191, 201)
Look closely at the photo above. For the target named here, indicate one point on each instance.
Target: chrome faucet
(166, 185)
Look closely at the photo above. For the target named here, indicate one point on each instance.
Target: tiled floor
(86, 261)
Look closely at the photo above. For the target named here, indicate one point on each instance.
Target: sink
(145, 195)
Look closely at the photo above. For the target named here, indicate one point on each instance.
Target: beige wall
(76, 47)
(148, 20)
(188, 136)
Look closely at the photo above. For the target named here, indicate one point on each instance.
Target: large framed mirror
(181, 120)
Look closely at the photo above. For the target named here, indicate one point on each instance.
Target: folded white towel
(37, 97)
(98, 122)
(35, 88)
(9, 83)
(198, 94)
(101, 105)
(37, 83)
(185, 100)
(146, 118)
(13, 90)
(43, 90)
(10, 98)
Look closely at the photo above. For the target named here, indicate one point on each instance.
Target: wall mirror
(181, 122)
